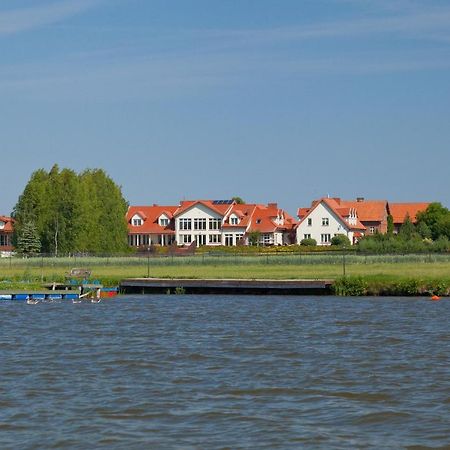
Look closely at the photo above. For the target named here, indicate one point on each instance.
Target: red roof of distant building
(399, 211)
(368, 210)
(219, 208)
(150, 216)
(9, 224)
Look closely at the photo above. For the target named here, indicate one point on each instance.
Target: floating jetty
(39, 295)
(225, 286)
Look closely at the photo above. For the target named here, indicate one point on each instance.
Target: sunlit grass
(112, 270)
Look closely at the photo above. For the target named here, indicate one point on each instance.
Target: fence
(213, 259)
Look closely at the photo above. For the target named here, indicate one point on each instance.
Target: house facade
(327, 218)
(150, 225)
(210, 222)
(6, 233)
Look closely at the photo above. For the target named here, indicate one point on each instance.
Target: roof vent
(359, 199)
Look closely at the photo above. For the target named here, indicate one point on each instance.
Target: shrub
(340, 240)
(308, 242)
(350, 287)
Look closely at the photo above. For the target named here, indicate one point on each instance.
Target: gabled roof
(339, 210)
(150, 215)
(218, 208)
(264, 219)
(9, 224)
(243, 211)
(399, 211)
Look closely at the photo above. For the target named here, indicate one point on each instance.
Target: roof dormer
(234, 219)
(137, 220)
(163, 220)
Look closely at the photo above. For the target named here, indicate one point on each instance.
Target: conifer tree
(28, 242)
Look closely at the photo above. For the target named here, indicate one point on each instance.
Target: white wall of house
(315, 226)
(198, 215)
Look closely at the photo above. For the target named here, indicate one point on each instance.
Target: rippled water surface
(213, 372)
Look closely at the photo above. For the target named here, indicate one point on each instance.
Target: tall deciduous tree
(437, 218)
(74, 213)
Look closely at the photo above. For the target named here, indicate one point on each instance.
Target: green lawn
(112, 270)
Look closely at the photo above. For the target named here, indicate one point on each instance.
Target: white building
(326, 219)
(209, 222)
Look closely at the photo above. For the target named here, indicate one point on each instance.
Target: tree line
(429, 233)
(62, 212)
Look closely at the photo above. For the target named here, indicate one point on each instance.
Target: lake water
(231, 372)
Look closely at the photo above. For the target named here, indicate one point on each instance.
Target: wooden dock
(225, 286)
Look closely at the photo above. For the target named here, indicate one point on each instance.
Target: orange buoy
(435, 298)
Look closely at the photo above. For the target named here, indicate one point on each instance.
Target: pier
(39, 295)
(225, 286)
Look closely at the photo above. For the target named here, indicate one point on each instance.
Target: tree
(407, 230)
(238, 200)
(28, 242)
(390, 224)
(435, 216)
(424, 230)
(253, 237)
(340, 240)
(74, 212)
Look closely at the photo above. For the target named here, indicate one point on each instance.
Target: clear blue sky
(271, 100)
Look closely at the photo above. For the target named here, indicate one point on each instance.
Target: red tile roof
(368, 210)
(9, 224)
(264, 219)
(218, 208)
(150, 215)
(399, 211)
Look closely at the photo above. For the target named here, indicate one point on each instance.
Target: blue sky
(271, 100)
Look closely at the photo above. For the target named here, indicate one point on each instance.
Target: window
(214, 238)
(185, 224)
(306, 236)
(4, 241)
(215, 224)
(200, 239)
(164, 222)
(137, 222)
(186, 238)
(309, 222)
(325, 238)
(267, 239)
(229, 239)
(199, 224)
(325, 221)
(239, 236)
(234, 220)
(258, 221)
(2, 225)
(372, 230)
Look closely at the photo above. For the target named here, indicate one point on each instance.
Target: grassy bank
(365, 275)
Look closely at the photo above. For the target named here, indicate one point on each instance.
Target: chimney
(359, 199)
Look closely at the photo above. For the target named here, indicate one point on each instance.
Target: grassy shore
(364, 275)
